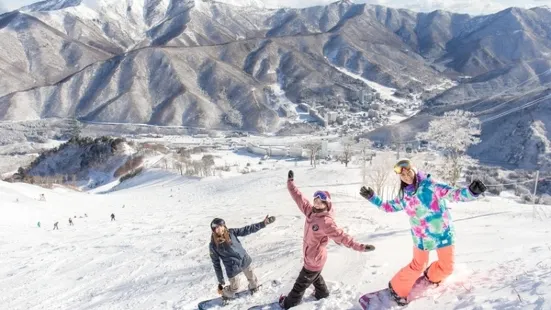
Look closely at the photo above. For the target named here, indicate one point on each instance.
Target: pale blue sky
(463, 6)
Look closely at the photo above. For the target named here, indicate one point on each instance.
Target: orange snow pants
(403, 281)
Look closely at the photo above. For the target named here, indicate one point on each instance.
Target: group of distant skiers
(56, 227)
(421, 197)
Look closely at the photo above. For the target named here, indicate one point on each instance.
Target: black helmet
(217, 222)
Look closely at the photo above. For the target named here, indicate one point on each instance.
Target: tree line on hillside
(94, 152)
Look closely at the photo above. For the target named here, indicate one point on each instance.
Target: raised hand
(269, 220)
(477, 187)
(366, 193)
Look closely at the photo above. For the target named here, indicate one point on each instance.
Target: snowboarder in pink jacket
(319, 227)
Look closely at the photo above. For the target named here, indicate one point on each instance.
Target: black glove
(477, 187)
(369, 247)
(366, 193)
(291, 175)
(269, 220)
(220, 289)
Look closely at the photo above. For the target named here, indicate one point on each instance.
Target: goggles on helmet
(401, 165)
(321, 195)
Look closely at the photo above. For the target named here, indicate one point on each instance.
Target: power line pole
(536, 183)
(534, 194)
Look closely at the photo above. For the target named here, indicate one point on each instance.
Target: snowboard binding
(426, 278)
(401, 301)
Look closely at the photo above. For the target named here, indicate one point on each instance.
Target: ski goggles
(321, 195)
(401, 165)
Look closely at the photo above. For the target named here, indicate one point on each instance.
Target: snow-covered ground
(155, 255)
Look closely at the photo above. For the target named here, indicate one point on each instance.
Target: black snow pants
(304, 280)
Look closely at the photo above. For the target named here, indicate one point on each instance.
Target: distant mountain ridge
(216, 65)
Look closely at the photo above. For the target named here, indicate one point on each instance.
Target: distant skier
(71, 222)
(224, 245)
(85, 215)
(55, 226)
(318, 229)
(112, 217)
(424, 201)
(38, 224)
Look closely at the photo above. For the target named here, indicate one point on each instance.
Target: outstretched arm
(302, 202)
(247, 230)
(389, 206)
(216, 264)
(340, 237)
(394, 205)
(444, 191)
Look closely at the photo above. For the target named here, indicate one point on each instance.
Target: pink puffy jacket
(318, 229)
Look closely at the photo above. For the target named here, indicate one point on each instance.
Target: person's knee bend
(418, 266)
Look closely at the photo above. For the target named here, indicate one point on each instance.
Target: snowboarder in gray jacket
(225, 246)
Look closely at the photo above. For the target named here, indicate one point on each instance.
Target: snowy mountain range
(221, 65)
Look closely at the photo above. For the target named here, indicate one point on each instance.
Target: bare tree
(347, 151)
(378, 176)
(453, 134)
(313, 148)
(164, 162)
(366, 155)
(208, 164)
(179, 166)
(197, 167)
(397, 139)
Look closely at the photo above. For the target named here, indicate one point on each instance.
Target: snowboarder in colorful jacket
(319, 227)
(424, 201)
(225, 246)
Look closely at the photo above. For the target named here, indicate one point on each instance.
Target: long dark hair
(403, 185)
(225, 238)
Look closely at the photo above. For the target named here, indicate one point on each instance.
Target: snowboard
(275, 305)
(382, 299)
(219, 302)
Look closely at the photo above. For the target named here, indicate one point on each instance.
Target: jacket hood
(421, 176)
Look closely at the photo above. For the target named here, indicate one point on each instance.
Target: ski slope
(155, 255)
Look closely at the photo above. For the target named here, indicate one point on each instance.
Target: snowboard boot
(313, 295)
(226, 300)
(401, 301)
(282, 301)
(254, 290)
(425, 274)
